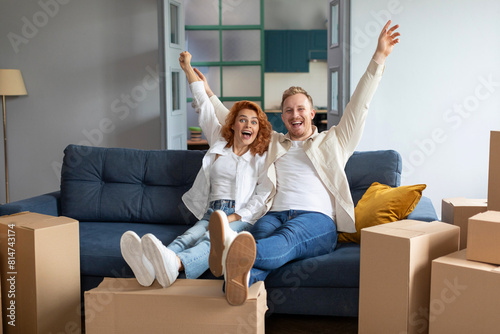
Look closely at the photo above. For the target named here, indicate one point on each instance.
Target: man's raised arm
(221, 111)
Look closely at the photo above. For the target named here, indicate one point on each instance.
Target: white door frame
(172, 79)
(339, 59)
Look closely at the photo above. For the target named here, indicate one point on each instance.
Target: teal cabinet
(298, 51)
(318, 39)
(291, 50)
(318, 42)
(275, 46)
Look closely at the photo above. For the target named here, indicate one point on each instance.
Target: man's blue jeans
(193, 246)
(283, 236)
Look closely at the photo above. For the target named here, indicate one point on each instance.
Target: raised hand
(386, 41)
(200, 75)
(185, 60)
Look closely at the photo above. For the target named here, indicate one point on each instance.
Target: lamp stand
(5, 151)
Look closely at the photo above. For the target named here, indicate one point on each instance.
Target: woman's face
(245, 127)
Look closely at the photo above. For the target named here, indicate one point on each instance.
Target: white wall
(89, 70)
(440, 94)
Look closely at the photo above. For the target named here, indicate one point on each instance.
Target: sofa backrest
(364, 168)
(127, 185)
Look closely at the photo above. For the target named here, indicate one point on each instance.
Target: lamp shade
(11, 83)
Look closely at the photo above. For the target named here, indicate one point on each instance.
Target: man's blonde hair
(294, 90)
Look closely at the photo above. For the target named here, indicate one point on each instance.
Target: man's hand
(386, 42)
(233, 217)
(205, 82)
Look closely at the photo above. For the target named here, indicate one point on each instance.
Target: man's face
(297, 115)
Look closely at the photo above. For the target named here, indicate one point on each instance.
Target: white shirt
(223, 176)
(252, 186)
(294, 170)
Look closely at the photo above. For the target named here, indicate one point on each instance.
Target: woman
(232, 180)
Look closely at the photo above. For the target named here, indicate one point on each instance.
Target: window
(174, 23)
(176, 94)
(227, 44)
(334, 81)
(334, 7)
(338, 59)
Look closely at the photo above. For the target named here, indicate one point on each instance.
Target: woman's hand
(185, 60)
(386, 42)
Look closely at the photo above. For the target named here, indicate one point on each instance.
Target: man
(311, 200)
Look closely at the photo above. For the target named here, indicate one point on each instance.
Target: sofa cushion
(127, 185)
(364, 168)
(424, 211)
(100, 253)
(338, 269)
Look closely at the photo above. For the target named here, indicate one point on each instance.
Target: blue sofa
(112, 190)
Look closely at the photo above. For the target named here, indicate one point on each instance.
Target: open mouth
(246, 134)
(296, 124)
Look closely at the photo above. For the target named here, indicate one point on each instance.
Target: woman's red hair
(261, 142)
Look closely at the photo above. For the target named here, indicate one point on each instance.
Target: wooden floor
(304, 324)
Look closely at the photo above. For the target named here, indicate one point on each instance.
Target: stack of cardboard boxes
(440, 278)
(465, 287)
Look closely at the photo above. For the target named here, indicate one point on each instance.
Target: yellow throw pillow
(383, 204)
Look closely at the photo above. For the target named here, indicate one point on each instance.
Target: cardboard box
(40, 269)
(465, 296)
(121, 305)
(494, 172)
(484, 237)
(458, 210)
(395, 273)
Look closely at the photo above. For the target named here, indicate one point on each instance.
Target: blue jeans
(193, 246)
(283, 236)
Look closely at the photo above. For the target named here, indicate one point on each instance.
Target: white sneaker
(130, 245)
(221, 237)
(164, 260)
(239, 262)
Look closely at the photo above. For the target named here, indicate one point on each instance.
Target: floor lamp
(11, 84)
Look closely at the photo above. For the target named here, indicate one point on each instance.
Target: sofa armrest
(48, 204)
(424, 211)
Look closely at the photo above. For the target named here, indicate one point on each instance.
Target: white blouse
(252, 187)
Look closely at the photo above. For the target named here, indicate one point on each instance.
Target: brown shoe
(221, 236)
(239, 261)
